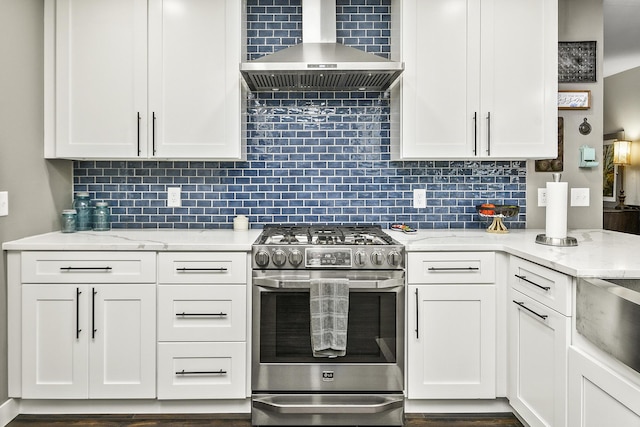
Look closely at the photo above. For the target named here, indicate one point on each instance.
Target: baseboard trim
(8, 411)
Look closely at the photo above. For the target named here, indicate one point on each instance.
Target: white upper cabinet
(143, 79)
(480, 80)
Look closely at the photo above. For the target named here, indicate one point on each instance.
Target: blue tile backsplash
(312, 157)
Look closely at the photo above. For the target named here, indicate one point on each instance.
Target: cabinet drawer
(546, 286)
(202, 267)
(202, 313)
(88, 267)
(451, 267)
(202, 370)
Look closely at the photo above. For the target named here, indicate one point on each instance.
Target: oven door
(282, 353)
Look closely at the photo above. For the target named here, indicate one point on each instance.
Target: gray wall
(578, 20)
(622, 111)
(38, 189)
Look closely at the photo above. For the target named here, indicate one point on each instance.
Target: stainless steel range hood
(319, 63)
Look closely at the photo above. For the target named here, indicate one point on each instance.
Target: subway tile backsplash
(312, 157)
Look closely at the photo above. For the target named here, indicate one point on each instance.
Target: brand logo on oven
(327, 375)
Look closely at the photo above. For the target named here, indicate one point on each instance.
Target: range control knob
(279, 257)
(295, 257)
(262, 258)
(360, 259)
(377, 258)
(393, 258)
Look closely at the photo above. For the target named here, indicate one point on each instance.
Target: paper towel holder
(556, 241)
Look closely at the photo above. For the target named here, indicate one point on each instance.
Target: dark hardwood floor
(208, 420)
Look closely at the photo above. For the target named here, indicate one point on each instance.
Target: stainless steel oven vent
(319, 63)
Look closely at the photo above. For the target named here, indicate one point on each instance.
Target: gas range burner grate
(324, 235)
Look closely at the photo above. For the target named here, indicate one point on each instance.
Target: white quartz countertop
(600, 253)
(139, 240)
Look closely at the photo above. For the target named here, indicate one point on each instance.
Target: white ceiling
(621, 35)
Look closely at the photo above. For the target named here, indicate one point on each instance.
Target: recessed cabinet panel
(451, 267)
(201, 370)
(100, 77)
(599, 396)
(538, 341)
(54, 342)
(123, 341)
(549, 287)
(194, 78)
(88, 267)
(203, 267)
(201, 313)
(451, 342)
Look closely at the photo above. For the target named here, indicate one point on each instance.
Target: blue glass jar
(101, 217)
(68, 221)
(82, 205)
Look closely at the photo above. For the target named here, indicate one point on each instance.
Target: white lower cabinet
(197, 370)
(538, 339)
(84, 341)
(451, 327)
(599, 396)
(202, 325)
(452, 342)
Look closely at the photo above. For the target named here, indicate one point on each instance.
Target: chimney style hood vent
(319, 63)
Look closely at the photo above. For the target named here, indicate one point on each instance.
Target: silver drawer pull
(186, 269)
(521, 304)
(546, 288)
(183, 314)
(85, 268)
(454, 268)
(220, 372)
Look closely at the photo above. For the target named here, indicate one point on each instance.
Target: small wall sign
(574, 99)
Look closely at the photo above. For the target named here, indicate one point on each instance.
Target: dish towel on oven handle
(329, 306)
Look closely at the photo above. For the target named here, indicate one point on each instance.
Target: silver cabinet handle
(546, 288)
(85, 268)
(187, 269)
(183, 314)
(475, 133)
(93, 313)
(453, 268)
(153, 133)
(417, 315)
(78, 330)
(489, 133)
(521, 304)
(219, 372)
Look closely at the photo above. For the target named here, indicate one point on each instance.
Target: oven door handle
(275, 283)
(376, 407)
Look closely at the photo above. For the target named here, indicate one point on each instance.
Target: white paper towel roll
(557, 209)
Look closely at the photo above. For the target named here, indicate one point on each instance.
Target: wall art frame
(577, 62)
(574, 99)
(557, 164)
(609, 172)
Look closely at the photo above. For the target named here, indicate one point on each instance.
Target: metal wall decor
(557, 164)
(577, 62)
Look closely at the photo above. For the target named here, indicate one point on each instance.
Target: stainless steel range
(328, 310)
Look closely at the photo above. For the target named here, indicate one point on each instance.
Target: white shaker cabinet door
(451, 342)
(440, 83)
(519, 90)
(194, 79)
(95, 78)
(480, 80)
(538, 342)
(123, 348)
(54, 342)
